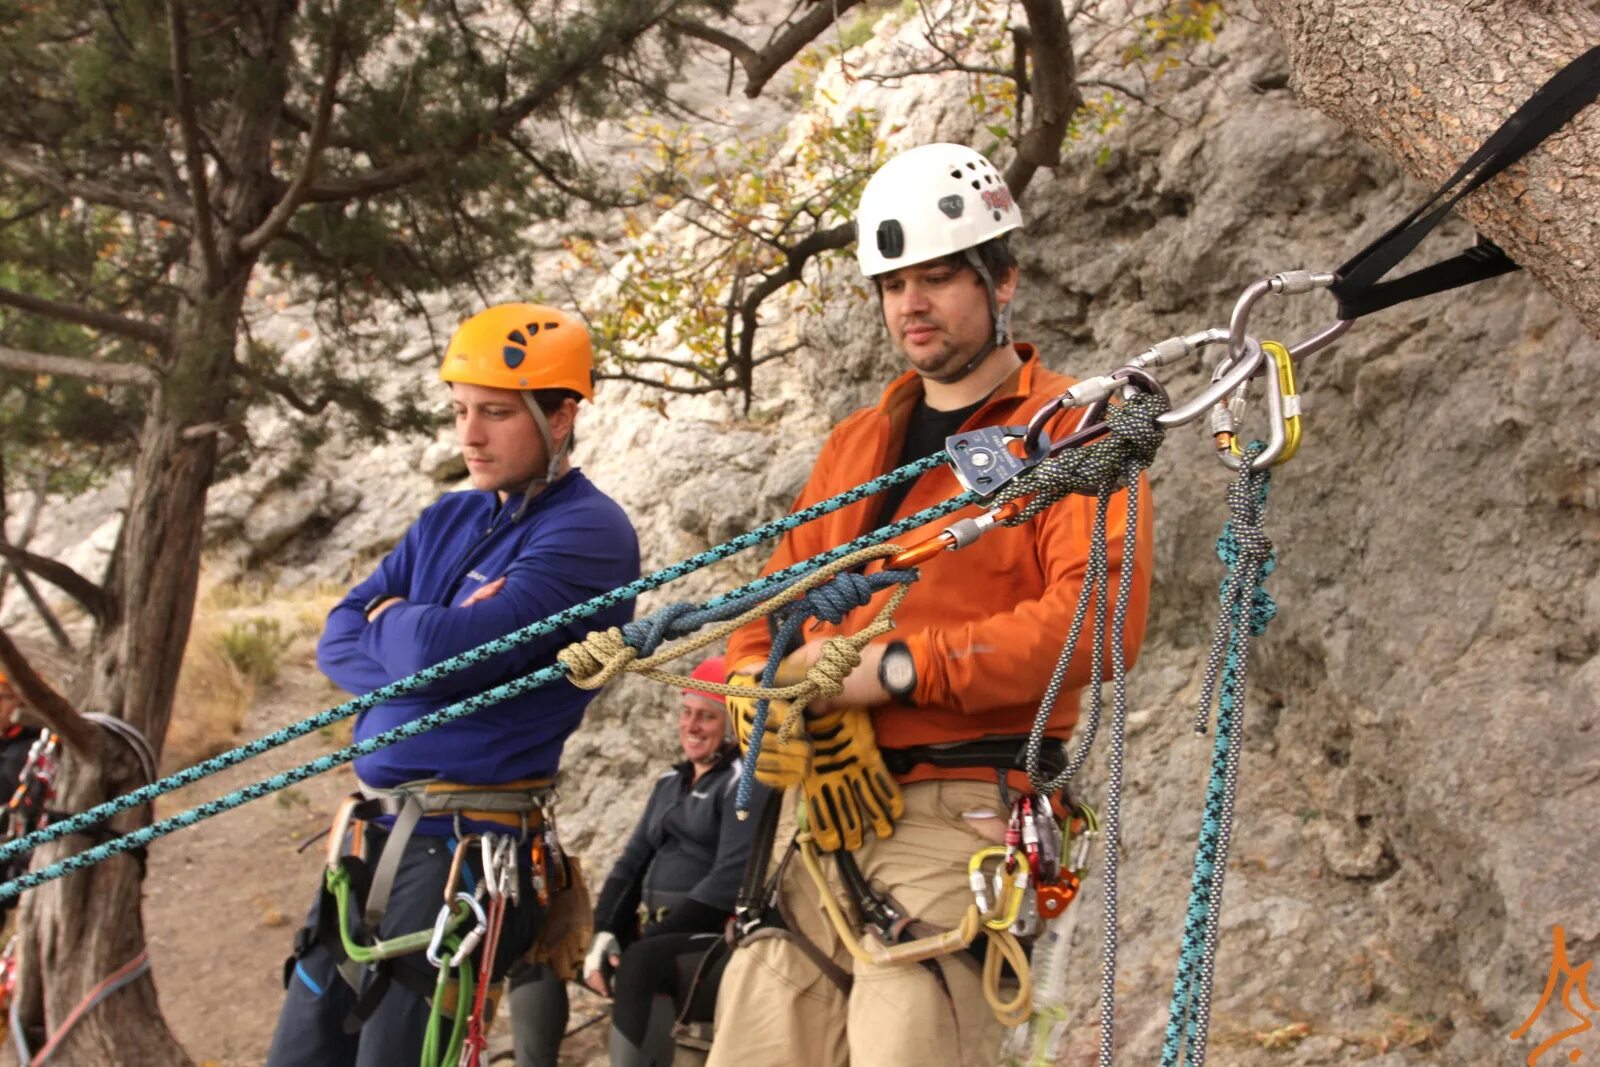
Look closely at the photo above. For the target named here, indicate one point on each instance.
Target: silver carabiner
(1277, 433)
(1235, 374)
(441, 927)
(470, 942)
(1287, 283)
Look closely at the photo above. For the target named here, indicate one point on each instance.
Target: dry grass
(213, 697)
(242, 634)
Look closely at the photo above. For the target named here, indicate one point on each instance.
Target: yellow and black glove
(781, 764)
(848, 788)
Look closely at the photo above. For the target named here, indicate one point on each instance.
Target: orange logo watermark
(1571, 980)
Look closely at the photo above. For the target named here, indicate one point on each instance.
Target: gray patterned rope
(1246, 609)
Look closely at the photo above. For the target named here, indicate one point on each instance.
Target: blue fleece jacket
(572, 543)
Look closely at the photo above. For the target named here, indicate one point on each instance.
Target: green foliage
(255, 647)
(740, 206)
(1166, 36)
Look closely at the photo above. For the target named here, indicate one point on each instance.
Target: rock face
(1422, 764)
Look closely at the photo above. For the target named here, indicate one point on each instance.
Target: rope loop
(597, 659)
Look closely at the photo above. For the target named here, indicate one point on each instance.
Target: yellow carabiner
(1006, 911)
(1291, 404)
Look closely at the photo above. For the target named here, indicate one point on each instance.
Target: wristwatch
(375, 603)
(897, 672)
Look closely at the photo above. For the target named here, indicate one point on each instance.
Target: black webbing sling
(1359, 289)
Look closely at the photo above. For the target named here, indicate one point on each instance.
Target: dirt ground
(224, 898)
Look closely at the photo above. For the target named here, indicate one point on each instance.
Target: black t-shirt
(925, 435)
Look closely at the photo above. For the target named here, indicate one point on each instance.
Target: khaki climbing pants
(777, 1008)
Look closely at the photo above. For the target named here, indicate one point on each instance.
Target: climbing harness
(356, 895)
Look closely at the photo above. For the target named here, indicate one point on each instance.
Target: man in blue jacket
(532, 538)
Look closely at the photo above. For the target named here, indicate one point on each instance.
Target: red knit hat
(710, 670)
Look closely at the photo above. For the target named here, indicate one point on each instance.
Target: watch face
(899, 672)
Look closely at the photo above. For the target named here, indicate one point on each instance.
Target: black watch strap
(372, 605)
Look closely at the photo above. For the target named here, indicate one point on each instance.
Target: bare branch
(15, 158)
(814, 244)
(104, 321)
(194, 159)
(58, 633)
(75, 367)
(60, 716)
(91, 596)
(295, 195)
(760, 67)
(730, 44)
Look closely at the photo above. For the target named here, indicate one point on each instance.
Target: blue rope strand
(233, 757)
(145, 835)
(1243, 587)
(831, 602)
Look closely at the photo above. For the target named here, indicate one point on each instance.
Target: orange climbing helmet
(522, 346)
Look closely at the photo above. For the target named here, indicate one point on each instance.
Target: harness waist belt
(1001, 753)
(436, 797)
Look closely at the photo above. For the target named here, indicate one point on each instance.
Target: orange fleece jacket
(985, 624)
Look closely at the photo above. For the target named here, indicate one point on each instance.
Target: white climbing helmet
(929, 202)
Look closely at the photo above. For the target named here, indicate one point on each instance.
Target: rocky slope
(1422, 762)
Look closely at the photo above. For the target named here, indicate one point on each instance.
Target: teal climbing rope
(1247, 608)
(143, 836)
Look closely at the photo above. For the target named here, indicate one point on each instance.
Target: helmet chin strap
(557, 457)
(1000, 316)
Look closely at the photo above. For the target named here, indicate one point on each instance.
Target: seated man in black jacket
(670, 893)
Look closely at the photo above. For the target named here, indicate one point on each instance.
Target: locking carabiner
(1283, 414)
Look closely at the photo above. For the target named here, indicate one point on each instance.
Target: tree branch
(295, 195)
(75, 367)
(815, 243)
(60, 716)
(760, 67)
(1056, 96)
(104, 321)
(559, 78)
(194, 159)
(730, 44)
(15, 159)
(91, 596)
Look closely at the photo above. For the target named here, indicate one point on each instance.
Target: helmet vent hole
(956, 174)
(516, 336)
(976, 184)
(997, 216)
(551, 325)
(513, 356)
(972, 166)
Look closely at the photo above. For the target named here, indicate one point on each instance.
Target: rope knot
(839, 657)
(1135, 429)
(839, 597)
(598, 658)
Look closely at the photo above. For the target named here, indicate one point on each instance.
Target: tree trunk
(1427, 81)
(82, 928)
(79, 930)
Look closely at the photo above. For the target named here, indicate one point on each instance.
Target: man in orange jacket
(952, 693)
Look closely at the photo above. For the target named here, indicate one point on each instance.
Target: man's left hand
(861, 686)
